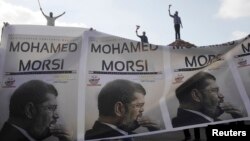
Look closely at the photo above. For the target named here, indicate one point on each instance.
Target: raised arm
(43, 12)
(137, 33)
(59, 15)
(170, 13)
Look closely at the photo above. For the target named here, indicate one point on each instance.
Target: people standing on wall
(50, 19)
(177, 23)
(143, 37)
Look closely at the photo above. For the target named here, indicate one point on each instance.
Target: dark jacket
(100, 130)
(185, 118)
(10, 133)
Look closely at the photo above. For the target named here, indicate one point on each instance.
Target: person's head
(201, 93)
(123, 100)
(144, 33)
(51, 14)
(34, 105)
(176, 13)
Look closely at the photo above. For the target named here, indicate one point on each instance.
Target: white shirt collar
(24, 132)
(115, 128)
(199, 113)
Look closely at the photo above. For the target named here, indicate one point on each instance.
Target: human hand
(148, 123)
(169, 7)
(230, 109)
(61, 132)
(137, 27)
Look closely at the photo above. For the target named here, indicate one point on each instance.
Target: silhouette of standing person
(50, 18)
(143, 37)
(177, 23)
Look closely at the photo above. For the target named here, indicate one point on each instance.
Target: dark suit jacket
(100, 130)
(185, 118)
(10, 133)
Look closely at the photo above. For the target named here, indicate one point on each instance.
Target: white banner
(112, 58)
(204, 81)
(112, 87)
(48, 54)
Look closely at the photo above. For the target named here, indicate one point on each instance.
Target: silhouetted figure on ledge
(50, 18)
(177, 23)
(143, 37)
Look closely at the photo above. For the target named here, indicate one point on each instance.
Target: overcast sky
(205, 22)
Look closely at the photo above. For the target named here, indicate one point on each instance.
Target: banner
(50, 55)
(112, 58)
(242, 61)
(76, 84)
(211, 67)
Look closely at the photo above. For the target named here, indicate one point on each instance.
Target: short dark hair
(197, 81)
(32, 91)
(114, 91)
